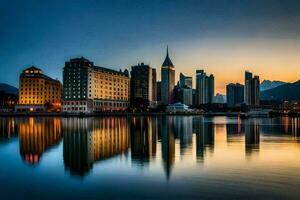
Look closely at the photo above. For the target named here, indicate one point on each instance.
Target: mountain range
(8, 89)
(284, 92)
(267, 84)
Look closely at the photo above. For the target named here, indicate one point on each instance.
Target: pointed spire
(167, 51)
(167, 62)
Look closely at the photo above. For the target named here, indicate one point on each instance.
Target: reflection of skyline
(184, 128)
(143, 134)
(234, 130)
(87, 141)
(36, 135)
(7, 128)
(205, 136)
(167, 132)
(252, 136)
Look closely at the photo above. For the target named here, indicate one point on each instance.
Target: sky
(223, 37)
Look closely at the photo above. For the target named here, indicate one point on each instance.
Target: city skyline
(225, 39)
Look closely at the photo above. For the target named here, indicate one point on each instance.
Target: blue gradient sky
(223, 37)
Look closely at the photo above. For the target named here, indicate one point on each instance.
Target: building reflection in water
(234, 131)
(205, 136)
(166, 131)
(143, 134)
(36, 135)
(184, 130)
(295, 126)
(252, 136)
(8, 128)
(87, 140)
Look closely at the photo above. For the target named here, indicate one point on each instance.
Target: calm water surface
(149, 157)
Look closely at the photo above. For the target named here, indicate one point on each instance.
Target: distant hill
(267, 84)
(8, 89)
(285, 92)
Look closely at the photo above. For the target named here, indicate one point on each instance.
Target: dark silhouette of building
(185, 81)
(204, 87)
(158, 91)
(183, 94)
(142, 85)
(234, 94)
(252, 85)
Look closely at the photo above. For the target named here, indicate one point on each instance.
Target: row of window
(37, 88)
(114, 104)
(38, 97)
(38, 101)
(75, 103)
(39, 93)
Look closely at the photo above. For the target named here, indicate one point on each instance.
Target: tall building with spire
(167, 80)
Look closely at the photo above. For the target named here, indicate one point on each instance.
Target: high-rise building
(251, 93)
(167, 81)
(142, 87)
(234, 94)
(38, 92)
(89, 88)
(185, 81)
(158, 91)
(209, 88)
(183, 94)
(204, 88)
(154, 86)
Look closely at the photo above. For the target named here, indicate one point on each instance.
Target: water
(149, 157)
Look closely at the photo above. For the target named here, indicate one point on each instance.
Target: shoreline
(129, 114)
(114, 114)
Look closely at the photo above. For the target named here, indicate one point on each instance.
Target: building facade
(234, 94)
(167, 81)
(183, 94)
(251, 92)
(204, 88)
(89, 88)
(38, 92)
(185, 81)
(158, 91)
(142, 84)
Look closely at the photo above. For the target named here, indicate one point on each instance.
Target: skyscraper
(142, 84)
(200, 87)
(183, 94)
(154, 86)
(185, 81)
(252, 85)
(209, 88)
(234, 94)
(167, 81)
(204, 88)
(158, 91)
